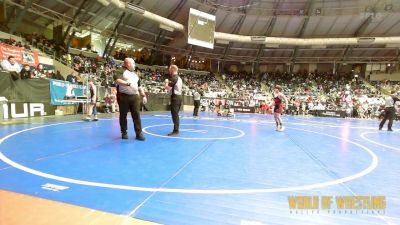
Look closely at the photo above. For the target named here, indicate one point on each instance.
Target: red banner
(21, 55)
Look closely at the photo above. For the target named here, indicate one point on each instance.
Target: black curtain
(29, 90)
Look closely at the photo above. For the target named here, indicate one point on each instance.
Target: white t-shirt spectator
(9, 67)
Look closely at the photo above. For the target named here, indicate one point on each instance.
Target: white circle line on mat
(364, 172)
(241, 133)
(363, 136)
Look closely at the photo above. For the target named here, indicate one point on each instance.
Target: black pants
(176, 102)
(129, 103)
(196, 107)
(390, 113)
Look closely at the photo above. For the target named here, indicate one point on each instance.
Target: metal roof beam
(74, 19)
(172, 15)
(363, 26)
(235, 30)
(357, 33)
(113, 44)
(189, 58)
(94, 15)
(309, 10)
(267, 33)
(113, 33)
(117, 35)
(9, 11)
(156, 46)
(20, 16)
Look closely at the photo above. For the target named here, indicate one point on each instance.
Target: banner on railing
(329, 113)
(243, 109)
(65, 93)
(21, 55)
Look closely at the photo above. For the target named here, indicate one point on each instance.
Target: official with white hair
(129, 92)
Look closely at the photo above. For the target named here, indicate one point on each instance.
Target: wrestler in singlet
(278, 107)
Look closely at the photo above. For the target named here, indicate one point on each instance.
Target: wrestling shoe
(140, 137)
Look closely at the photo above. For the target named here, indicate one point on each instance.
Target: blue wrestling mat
(218, 171)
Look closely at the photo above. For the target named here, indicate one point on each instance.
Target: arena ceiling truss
(272, 18)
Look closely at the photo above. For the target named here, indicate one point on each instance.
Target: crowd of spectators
(307, 92)
(30, 43)
(28, 72)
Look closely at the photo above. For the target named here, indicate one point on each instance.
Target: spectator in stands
(39, 72)
(50, 74)
(143, 107)
(72, 78)
(10, 41)
(34, 39)
(27, 47)
(58, 76)
(68, 59)
(11, 65)
(26, 72)
(110, 103)
(264, 107)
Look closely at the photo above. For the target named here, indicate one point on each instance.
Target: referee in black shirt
(174, 88)
(128, 90)
(196, 99)
(390, 110)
